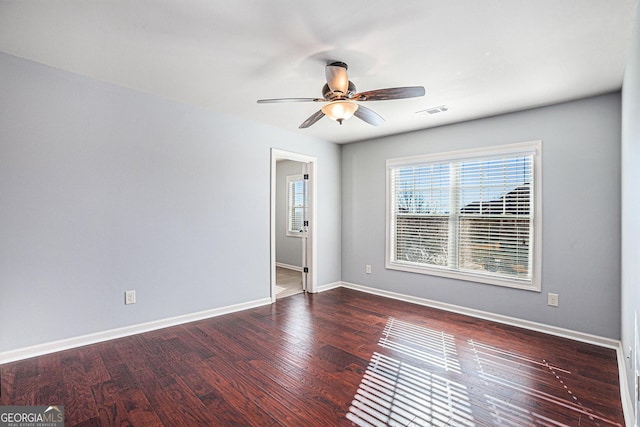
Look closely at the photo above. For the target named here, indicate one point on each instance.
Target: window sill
(528, 285)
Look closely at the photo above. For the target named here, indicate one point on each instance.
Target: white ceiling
(479, 58)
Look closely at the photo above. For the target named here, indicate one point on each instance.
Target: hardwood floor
(338, 358)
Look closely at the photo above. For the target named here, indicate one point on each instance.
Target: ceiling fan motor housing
(330, 95)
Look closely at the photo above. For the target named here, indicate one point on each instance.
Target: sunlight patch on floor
(395, 393)
(420, 383)
(434, 347)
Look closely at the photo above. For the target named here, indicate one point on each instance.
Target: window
(471, 215)
(296, 204)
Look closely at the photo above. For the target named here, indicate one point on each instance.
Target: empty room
(364, 213)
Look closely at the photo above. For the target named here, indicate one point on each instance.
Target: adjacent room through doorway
(291, 235)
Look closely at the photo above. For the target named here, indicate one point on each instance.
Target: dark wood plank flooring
(337, 358)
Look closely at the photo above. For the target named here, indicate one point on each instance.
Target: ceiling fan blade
(390, 93)
(312, 119)
(265, 101)
(337, 78)
(369, 116)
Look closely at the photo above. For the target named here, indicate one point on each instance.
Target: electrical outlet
(367, 268)
(130, 297)
(552, 299)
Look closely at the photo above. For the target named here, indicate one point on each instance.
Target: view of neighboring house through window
(296, 204)
(472, 215)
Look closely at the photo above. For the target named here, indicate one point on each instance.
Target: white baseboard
(65, 344)
(627, 399)
(289, 267)
(526, 324)
(329, 286)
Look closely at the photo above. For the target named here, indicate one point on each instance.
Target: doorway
(293, 210)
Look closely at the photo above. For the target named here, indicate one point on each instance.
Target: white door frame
(277, 154)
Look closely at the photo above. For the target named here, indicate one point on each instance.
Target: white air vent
(433, 110)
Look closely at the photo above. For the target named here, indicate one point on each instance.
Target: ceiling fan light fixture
(340, 110)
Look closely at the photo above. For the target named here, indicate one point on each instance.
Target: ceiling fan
(340, 93)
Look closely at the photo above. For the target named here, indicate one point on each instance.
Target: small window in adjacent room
(296, 204)
(471, 215)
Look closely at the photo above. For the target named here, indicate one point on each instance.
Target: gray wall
(631, 204)
(288, 248)
(103, 189)
(580, 218)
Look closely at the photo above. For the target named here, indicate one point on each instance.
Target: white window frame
(533, 148)
(291, 208)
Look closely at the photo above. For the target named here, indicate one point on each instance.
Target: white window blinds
(296, 204)
(473, 214)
